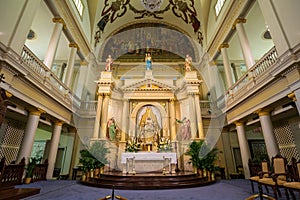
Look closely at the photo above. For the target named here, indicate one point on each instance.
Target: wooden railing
(11, 174)
(40, 171)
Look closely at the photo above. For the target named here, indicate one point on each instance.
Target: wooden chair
(294, 185)
(278, 177)
(256, 175)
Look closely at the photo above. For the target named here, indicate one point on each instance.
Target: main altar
(148, 111)
(141, 162)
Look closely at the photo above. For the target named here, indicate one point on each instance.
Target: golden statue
(149, 128)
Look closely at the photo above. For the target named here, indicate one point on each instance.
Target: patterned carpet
(236, 189)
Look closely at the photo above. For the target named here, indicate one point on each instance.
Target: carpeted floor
(236, 189)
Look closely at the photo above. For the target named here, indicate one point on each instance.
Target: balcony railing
(45, 76)
(251, 77)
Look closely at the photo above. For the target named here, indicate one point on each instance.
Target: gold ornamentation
(292, 96)
(37, 112)
(59, 20)
(73, 44)
(59, 123)
(224, 45)
(239, 123)
(237, 21)
(263, 112)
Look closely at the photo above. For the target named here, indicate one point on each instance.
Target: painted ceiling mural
(182, 9)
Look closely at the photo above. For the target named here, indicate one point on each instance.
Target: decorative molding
(239, 123)
(224, 45)
(292, 96)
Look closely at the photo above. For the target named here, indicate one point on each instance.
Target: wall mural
(183, 9)
(134, 41)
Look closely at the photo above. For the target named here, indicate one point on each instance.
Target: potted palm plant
(195, 160)
(30, 169)
(93, 157)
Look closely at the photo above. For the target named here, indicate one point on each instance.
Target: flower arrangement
(164, 145)
(132, 145)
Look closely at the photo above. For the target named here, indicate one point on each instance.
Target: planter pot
(97, 171)
(83, 177)
(101, 170)
(27, 180)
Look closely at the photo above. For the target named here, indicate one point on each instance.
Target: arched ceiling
(186, 14)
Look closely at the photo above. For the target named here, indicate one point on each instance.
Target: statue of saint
(187, 63)
(109, 62)
(112, 129)
(148, 61)
(185, 129)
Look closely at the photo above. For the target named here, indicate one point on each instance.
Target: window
(79, 6)
(219, 6)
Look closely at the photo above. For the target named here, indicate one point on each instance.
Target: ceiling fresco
(184, 10)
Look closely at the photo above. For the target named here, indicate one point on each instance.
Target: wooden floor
(147, 181)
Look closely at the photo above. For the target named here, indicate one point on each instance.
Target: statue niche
(149, 128)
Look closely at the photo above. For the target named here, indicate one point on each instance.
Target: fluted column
(166, 126)
(269, 136)
(172, 119)
(244, 42)
(54, 40)
(28, 139)
(53, 148)
(199, 117)
(226, 63)
(244, 147)
(98, 116)
(125, 116)
(193, 116)
(71, 62)
(104, 116)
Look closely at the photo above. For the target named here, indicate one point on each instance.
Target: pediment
(149, 84)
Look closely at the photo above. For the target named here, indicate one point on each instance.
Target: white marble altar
(142, 162)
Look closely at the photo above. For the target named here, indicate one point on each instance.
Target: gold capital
(8, 94)
(73, 44)
(213, 63)
(59, 20)
(224, 45)
(237, 21)
(292, 96)
(59, 123)
(36, 112)
(239, 123)
(263, 111)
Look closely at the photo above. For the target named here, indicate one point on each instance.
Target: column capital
(8, 94)
(59, 123)
(224, 45)
(292, 96)
(37, 111)
(59, 20)
(84, 63)
(239, 123)
(172, 100)
(263, 111)
(106, 95)
(238, 21)
(73, 44)
(213, 63)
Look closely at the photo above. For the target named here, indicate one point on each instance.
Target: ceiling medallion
(152, 5)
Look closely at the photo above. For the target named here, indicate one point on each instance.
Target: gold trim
(237, 21)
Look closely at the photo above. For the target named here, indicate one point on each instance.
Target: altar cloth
(149, 156)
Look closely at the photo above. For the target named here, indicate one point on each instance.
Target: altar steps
(148, 181)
